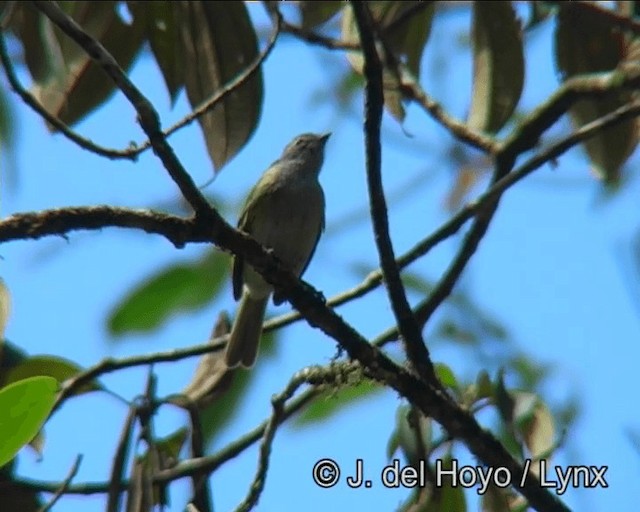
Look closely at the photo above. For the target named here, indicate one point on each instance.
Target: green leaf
(168, 448)
(480, 389)
(498, 65)
(586, 43)
(412, 434)
(52, 366)
(218, 43)
(25, 406)
(77, 85)
(182, 287)
(314, 13)
(10, 356)
(332, 401)
(163, 34)
(504, 399)
(446, 376)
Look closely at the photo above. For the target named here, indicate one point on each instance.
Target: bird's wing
(277, 298)
(253, 204)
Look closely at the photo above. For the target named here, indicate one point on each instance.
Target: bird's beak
(324, 137)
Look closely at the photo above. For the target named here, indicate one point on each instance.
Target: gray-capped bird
(284, 212)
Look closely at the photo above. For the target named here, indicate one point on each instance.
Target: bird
(285, 212)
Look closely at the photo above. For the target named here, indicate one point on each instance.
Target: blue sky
(556, 268)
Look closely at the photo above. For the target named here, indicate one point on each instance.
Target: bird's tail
(244, 340)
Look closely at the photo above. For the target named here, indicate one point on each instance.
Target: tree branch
(415, 347)
(61, 221)
(64, 486)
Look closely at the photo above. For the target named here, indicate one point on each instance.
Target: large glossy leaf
(182, 287)
(25, 406)
(218, 43)
(75, 84)
(498, 65)
(585, 43)
(405, 35)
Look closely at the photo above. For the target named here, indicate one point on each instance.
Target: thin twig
(278, 402)
(114, 487)
(64, 486)
(110, 365)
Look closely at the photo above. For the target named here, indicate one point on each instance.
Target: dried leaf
(404, 34)
(5, 308)
(585, 43)
(498, 65)
(75, 84)
(218, 43)
(212, 376)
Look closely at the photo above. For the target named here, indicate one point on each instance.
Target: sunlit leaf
(498, 65)
(330, 402)
(446, 375)
(535, 424)
(586, 43)
(182, 287)
(219, 42)
(25, 406)
(5, 307)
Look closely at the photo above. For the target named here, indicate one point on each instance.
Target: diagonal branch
(374, 100)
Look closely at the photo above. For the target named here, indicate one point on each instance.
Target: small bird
(285, 213)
